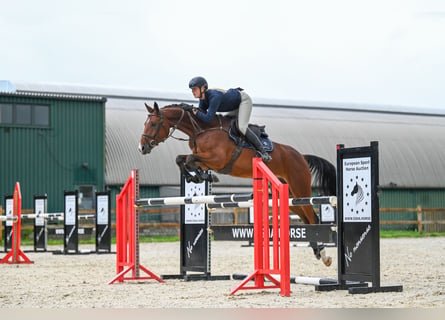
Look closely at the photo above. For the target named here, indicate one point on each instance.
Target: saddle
(240, 140)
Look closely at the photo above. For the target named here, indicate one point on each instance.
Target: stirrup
(265, 156)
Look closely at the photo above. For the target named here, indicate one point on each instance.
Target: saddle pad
(267, 143)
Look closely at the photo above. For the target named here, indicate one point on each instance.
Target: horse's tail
(324, 174)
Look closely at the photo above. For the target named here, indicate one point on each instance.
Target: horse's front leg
(181, 163)
(194, 163)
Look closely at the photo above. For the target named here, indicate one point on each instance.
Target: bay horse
(213, 149)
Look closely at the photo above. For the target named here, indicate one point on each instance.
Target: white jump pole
(171, 201)
(332, 200)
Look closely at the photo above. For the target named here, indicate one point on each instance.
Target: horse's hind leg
(320, 252)
(299, 180)
(318, 247)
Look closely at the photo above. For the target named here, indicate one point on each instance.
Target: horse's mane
(225, 120)
(175, 105)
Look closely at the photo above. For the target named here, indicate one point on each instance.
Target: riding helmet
(198, 82)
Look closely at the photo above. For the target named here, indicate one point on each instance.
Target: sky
(386, 52)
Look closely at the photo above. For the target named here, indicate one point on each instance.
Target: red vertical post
(131, 233)
(121, 232)
(275, 229)
(127, 237)
(16, 255)
(118, 235)
(284, 241)
(258, 224)
(262, 179)
(264, 235)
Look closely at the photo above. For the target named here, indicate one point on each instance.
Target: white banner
(102, 209)
(40, 210)
(357, 190)
(194, 213)
(70, 210)
(9, 209)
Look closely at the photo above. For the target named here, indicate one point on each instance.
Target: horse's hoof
(328, 261)
(206, 176)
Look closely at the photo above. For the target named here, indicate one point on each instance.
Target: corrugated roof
(411, 140)
(63, 96)
(140, 94)
(411, 147)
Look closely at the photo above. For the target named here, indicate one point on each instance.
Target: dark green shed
(51, 143)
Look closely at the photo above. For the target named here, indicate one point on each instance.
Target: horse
(213, 149)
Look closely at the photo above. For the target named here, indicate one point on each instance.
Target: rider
(233, 101)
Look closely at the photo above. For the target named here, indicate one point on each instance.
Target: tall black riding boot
(253, 138)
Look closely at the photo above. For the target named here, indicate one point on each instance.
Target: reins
(196, 129)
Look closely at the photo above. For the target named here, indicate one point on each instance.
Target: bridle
(153, 140)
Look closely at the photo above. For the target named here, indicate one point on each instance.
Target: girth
(227, 169)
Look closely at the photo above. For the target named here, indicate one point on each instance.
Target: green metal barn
(51, 142)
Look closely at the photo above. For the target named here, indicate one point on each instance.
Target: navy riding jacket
(218, 101)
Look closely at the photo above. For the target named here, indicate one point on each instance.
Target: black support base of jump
(195, 277)
(358, 288)
(72, 252)
(104, 252)
(34, 250)
(362, 290)
(79, 252)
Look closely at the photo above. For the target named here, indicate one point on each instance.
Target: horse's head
(160, 125)
(156, 130)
